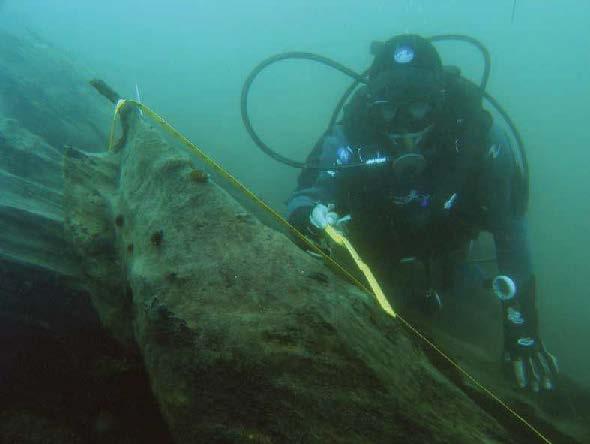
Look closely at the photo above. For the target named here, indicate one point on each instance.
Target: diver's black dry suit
(472, 182)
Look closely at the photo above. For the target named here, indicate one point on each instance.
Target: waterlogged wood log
(241, 339)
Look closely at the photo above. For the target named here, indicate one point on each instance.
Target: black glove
(532, 365)
(528, 360)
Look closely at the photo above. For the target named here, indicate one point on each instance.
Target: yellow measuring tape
(381, 299)
(336, 236)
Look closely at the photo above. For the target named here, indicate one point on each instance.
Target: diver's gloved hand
(531, 365)
(311, 223)
(321, 216)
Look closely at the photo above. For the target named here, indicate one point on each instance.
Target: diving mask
(405, 126)
(411, 117)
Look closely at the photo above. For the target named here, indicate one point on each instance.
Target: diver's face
(406, 126)
(402, 118)
(407, 142)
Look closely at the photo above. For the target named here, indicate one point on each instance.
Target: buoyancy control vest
(440, 209)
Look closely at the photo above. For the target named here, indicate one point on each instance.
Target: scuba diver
(419, 169)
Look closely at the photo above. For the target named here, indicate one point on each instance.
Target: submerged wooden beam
(240, 340)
